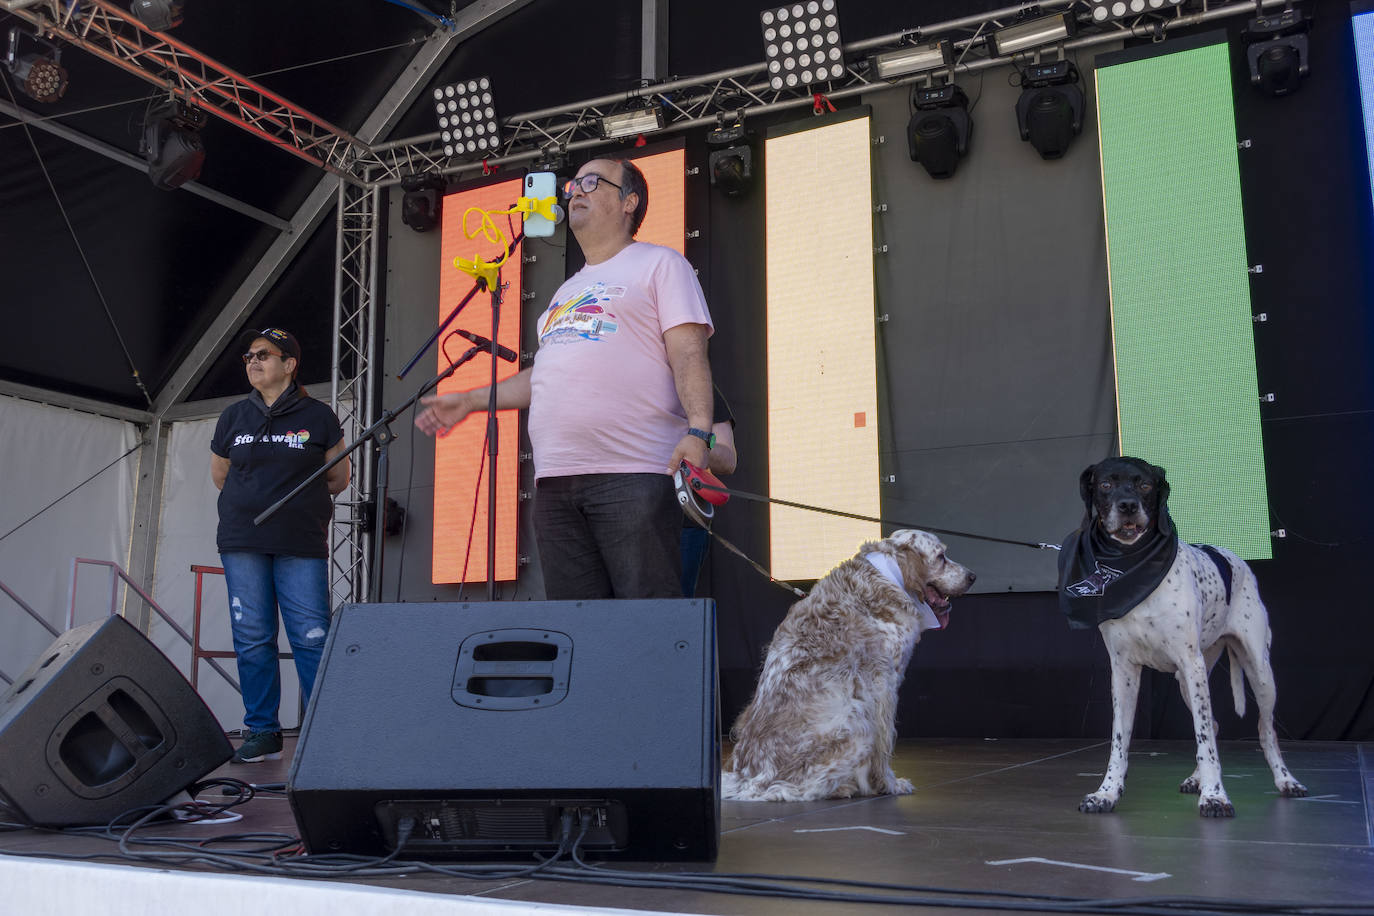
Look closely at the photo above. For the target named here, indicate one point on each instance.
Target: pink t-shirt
(602, 397)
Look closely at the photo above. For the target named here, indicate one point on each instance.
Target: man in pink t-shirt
(619, 394)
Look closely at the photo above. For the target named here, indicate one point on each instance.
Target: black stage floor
(987, 816)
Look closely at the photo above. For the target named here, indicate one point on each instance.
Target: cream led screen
(1182, 331)
(822, 363)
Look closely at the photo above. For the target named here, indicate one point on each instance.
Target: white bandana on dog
(888, 567)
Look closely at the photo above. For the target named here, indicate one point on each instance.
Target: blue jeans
(695, 540)
(260, 584)
(608, 536)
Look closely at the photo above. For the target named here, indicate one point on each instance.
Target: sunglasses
(261, 356)
(588, 183)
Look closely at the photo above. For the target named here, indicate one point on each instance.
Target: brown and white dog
(1207, 601)
(822, 720)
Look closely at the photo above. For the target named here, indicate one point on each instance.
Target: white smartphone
(540, 185)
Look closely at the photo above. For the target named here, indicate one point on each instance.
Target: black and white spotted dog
(1173, 607)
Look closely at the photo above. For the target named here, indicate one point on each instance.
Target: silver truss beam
(729, 95)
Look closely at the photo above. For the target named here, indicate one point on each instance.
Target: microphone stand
(381, 433)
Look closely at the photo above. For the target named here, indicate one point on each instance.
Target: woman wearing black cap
(264, 447)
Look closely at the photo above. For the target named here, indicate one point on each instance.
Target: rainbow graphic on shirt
(581, 317)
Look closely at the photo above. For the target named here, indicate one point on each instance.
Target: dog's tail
(1237, 681)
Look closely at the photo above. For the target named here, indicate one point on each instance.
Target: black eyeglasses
(588, 183)
(261, 356)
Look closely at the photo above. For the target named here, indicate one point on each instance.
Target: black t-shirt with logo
(271, 450)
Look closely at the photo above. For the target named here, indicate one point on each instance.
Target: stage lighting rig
(1050, 109)
(158, 15)
(939, 130)
(171, 143)
(801, 44)
(1276, 48)
(934, 55)
(422, 204)
(1108, 10)
(732, 163)
(1031, 33)
(39, 76)
(467, 119)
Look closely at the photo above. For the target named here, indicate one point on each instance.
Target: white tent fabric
(45, 452)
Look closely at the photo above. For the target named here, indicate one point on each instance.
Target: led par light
(1050, 109)
(41, 77)
(938, 132)
(467, 119)
(1106, 10)
(933, 55)
(1030, 33)
(801, 44)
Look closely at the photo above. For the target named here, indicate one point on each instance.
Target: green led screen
(1182, 332)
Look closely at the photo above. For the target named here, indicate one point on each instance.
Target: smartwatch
(703, 435)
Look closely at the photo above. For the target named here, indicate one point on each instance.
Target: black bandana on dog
(1101, 578)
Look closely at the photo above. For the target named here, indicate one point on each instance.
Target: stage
(990, 817)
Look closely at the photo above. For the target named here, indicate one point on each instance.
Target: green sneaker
(259, 746)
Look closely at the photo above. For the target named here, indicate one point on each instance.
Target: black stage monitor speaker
(488, 726)
(100, 723)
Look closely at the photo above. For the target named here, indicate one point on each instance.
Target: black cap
(284, 340)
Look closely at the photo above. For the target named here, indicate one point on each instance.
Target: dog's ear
(1163, 521)
(1085, 490)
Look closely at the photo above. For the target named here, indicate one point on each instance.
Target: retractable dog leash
(699, 492)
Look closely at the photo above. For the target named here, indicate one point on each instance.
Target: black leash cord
(1037, 545)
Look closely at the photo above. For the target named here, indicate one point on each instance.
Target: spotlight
(1276, 47)
(939, 130)
(171, 143)
(915, 59)
(39, 76)
(158, 15)
(631, 123)
(467, 119)
(1030, 33)
(1105, 10)
(1050, 109)
(423, 202)
(731, 166)
(801, 44)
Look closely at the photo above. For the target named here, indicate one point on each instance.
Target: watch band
(708, 437)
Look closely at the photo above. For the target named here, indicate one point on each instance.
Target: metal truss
(729, 96)
(352, 388)
(112, 34)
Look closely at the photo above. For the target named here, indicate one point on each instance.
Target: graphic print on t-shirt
(581, 317)
(290, 439)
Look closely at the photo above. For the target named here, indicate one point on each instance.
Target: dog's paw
(1216, 806)
(900, 786)
(1097, 803)
(1293, 789)
(1190, 786)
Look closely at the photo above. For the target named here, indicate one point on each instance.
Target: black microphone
(508, 355)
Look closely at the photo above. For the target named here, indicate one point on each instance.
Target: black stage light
(1276, 48)
(1050, 109)
(41, 77)
(171, 143)
(158, 15)
(939, 130)
(732, 164)
(423, 203)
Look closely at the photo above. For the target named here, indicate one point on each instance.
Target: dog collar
(888, 567)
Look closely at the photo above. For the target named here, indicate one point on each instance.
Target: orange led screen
(666, 222)
(459, 457)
